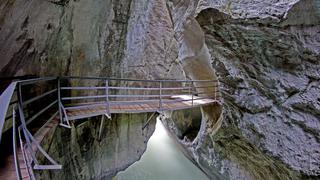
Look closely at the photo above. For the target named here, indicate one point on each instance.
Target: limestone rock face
(101, 38)
(266, 55)
(61, 38)
(122, 38)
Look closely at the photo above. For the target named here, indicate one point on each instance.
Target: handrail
(161, 92)
(122, 88)
(7, 94)
(35, 80)
(41, 112)
(128, 79)
(39, 97)
(5, 99)
(188, 87)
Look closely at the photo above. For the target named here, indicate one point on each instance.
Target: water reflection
(162, 161)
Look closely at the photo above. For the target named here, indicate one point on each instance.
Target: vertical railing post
(160, 96)
(14, 139)
(217, 89)
(190, 88)
(215, 92)
(192, 93)
(59, 99)
(107, 97)
(23, 122)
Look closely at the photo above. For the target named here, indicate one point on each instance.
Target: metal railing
(122, 92)
(20, 99)
(24, 100)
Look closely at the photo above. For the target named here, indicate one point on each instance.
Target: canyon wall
(264, 53)
(126, 38)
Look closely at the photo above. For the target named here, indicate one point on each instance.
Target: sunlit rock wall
(266, 56)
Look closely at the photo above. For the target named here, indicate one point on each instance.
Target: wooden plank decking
(8, 172)
(90, 110)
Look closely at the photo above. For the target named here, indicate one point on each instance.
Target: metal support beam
(102, 124)
(148, 121)
(66, 119)
(108, 116)
(46, 155)
(101, 127)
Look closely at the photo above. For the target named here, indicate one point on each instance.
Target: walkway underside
(174, 103)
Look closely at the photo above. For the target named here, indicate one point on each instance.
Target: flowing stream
(162, 160)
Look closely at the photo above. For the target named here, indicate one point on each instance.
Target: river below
(162, 160)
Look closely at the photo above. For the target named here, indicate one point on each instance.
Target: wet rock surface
(267, 60)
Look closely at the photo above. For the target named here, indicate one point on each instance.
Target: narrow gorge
(263, 57)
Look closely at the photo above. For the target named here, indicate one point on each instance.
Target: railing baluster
(192, 93)
(59, 99)
(23, 122)
(107, 97)
(160, 96)
(215, 95)
(189, 87)
(217, 90)
(14, 139)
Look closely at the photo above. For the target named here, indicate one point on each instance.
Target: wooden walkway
(63, 102)
(174, 103)
(8, 172)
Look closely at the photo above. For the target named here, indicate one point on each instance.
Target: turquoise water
(162, 161)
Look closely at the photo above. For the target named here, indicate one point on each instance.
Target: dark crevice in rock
(22, 36)
(67, 70)
(191, 132)
(187, 124)
(60, 2)
(25, 23)
(71, 41)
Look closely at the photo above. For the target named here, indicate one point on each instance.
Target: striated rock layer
(266, 55)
